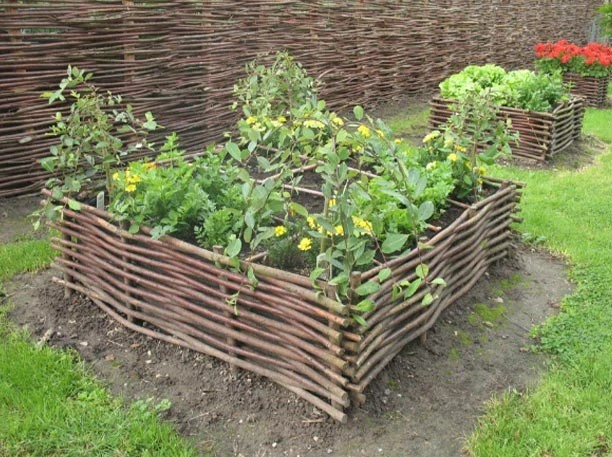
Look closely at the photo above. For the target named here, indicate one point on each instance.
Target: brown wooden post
(354, 283)
(65, 275)
(126, 280)
(128, 48)
(331, 291)
(229, 312)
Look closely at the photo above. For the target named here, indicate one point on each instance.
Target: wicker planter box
(541, 135)
(283, 327)
(593, 90)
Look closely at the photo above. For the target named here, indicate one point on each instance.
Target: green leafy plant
(97, 134)
(472, 139)
(521, 89)
(200, 200)
(605, 12)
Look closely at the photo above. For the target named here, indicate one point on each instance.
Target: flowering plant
(472, 139)
(98, 133)
(594, 59)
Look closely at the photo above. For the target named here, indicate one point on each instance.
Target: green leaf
(367, 288)
(48, 163)
(384, 274)
(412, 288)
(134, 228)
(439, 282)
(394, 242)
(360, 320)
(425, 211)
(358, 112)
(316, 273)
(298, 209)
(365, 306)
(251, 275)
(233, 150)
(427, 299)
(157, 232)
(233, 248)
(150, 124)
(57, 194)
(74, 205)
(422, 270)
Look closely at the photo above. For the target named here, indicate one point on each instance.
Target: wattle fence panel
(180, 59)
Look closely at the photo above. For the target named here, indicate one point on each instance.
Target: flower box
(282, 327)
(541, 135)
(594, 90)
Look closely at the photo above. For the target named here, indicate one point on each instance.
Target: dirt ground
(425, 403)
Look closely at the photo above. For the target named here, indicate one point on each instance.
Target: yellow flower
(431, 136)
(150, 165)
(397, 140)
(380, 133)
(431, 165)
(339, 230)
(116, 176)
(448, 142)
(337, 120)
(332, 203)
(460, 148)
(313, 124)
(452, 157)
(251, 120)
(364, 131)
(279, 230)
(357, 149)
(305, 244)
(281, 119)
(130, 188)
(276, 124)
(258, 127)
(482, 170)
(363, 224)
(133, 179)
(311, 222)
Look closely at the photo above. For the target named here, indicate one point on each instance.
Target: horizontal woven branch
(593, 90)
(180, 59)
(541, 135)
(282, 328)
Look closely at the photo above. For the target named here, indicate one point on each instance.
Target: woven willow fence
(282, 328)
(593, 90)
(180, 59)
(541, 135)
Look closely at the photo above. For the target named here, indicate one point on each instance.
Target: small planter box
(283, 327)
(593, 90)
(541, 135)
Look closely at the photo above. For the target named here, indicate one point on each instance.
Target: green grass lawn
(569, 414)
(50, 406)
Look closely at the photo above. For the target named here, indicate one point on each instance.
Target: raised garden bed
(541, 135)
(283, 328)
(594, 90)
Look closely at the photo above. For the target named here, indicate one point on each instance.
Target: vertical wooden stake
(354, 283)
(128, 49)
(66, 276)
(423, 337)
(229, 312)
(331, 291)
(126, 280)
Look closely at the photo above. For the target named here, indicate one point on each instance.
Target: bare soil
(425, 403)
